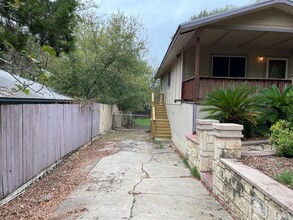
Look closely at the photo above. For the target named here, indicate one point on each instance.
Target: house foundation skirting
(246, 191)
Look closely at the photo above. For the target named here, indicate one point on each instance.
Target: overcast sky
(162, 17)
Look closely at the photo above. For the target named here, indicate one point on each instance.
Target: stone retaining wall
(249, 193)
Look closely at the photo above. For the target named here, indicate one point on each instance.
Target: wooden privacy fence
(34, 136)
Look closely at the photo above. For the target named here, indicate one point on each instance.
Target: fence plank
(33, 136)
(1, 156)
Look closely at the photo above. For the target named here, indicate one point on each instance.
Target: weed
(186, 162)
(160, 144)
(194, 172)
(286, 177)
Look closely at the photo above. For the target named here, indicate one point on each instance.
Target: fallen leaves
(43, 197)
(269, 165)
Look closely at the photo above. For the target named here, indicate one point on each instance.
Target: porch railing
(208, 84)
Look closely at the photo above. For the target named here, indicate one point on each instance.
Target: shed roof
(187, 29)
(37, 91)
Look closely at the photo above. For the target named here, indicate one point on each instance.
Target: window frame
(229, 56)
(277, 58)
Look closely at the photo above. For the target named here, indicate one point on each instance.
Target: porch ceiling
(246, 39)
(250, 30)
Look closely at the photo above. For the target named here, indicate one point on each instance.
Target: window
(169, 79)
(229, 66)
(277, 68)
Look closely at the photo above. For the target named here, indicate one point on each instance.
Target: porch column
(196, 69)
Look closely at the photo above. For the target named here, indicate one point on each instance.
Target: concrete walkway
(141, 181)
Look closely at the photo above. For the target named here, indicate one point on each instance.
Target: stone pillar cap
(206, 121)
(228, 126)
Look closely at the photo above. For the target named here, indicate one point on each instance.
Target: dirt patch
(269, 165)
(42, 197)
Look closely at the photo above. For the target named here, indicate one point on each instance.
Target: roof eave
(158, 74)
(218, 17)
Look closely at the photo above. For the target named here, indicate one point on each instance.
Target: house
(252, 43)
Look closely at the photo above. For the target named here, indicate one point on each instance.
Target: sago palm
(234, 104)
(276, 104)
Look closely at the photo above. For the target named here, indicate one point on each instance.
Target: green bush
(289, 108)
(286, 177)
(275, 105)
(282, 138)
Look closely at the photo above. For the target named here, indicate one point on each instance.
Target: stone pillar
(204, 130)
(227, 144)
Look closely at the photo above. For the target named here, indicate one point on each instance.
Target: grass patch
(159, 143)
(286, 177)
(144, 122)
(185, 161)
(194, 172)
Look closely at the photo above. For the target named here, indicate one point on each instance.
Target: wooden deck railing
(207, 84)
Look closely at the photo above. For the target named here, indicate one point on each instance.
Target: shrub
(234, 104)
(282, 138)
(194, 172)
(186, 162)
(289, 108)
(275, 104)
(285, 177)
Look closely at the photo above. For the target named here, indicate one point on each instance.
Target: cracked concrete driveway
(141, 181)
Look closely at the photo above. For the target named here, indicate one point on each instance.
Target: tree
(33, 30)
(204, 13)
(50, 22)
(108, 65)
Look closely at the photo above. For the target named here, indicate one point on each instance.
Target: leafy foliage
(282, 138)
(234, 104)
(108, 65)
(286, 177)
(50, 22)
(205, 13)
(275, 104)
(194, 172)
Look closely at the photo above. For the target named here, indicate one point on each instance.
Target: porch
(195, 89)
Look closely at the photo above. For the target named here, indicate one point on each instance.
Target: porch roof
(280, 38)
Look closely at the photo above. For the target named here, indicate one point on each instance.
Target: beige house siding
(254, 69)
(266, 19)
(173, 91)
